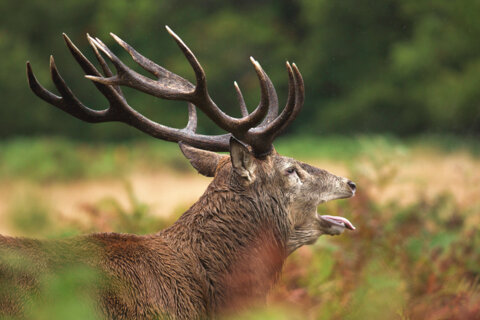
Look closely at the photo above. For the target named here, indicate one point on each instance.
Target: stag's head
(252, 165)
(300, 187)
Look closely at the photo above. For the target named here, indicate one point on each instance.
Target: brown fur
(221, 255)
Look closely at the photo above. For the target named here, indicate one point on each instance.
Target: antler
(257, 129)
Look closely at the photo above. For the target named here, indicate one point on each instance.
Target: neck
(238, 239)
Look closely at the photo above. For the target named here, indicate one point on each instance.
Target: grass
(30, 215)
(56, 159)
(405, 261)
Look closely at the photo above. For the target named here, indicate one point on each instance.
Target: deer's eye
(291, 170)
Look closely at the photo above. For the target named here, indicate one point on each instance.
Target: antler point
(170, 30)
(289, 67)
(93, 78)
(117, 38)
(256, 64)
(29, 70)
(100, 45)
(295, 68)
(67, 39)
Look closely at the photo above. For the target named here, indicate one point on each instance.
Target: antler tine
(273, 110)
(103, 63)
(192, 118)
(67, 100)
(299, 100)
(241, 101)
(141, 60)
(65, 92)
(261, 137)
(263, 107)
(122, 69)
(272, 97)
(39, 90)
(197, 68)
(88, 67)
(84, 63)
(291, 105)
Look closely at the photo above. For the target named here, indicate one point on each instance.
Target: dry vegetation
(415, 254)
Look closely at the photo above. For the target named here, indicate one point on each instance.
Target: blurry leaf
(380, 296)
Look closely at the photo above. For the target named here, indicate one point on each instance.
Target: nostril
(352, 185)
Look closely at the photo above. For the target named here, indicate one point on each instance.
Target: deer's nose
(352, 185)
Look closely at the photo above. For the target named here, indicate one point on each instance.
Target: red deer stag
(227, 250)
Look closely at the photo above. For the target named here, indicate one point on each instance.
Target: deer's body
(228, 249)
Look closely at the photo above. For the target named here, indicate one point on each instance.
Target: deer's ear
(205, 162)
(242, 160)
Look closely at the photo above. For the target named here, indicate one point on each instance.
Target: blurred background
(392, 102)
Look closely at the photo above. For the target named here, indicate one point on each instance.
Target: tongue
(337, 221)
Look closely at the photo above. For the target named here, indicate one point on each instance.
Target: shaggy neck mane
(239, 240)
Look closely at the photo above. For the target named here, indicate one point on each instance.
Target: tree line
(394, 66)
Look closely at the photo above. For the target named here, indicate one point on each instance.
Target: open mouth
(334, 225)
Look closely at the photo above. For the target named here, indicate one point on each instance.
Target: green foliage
(49, 159)
(415, 261)
(136, 219)
(393, 66)
(65, 295)
(331, 147)
(381, 295)
(30, 215)
(58, 159)
(41, 159)
(275, 313)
